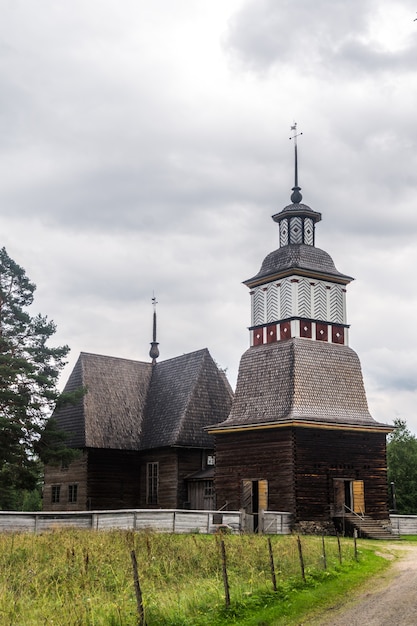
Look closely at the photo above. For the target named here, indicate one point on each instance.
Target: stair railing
(361, 515)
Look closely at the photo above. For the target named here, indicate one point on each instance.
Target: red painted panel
(258, 336)
(305, 329)
(285, 330)
(338, 334)
(321, 332)
(271, 333)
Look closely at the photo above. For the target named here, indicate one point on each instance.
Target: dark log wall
(175, 464)
(323, 455)
(189, 462)
(116, 479)
(255, 455)
(300, 465)
(74, 474)
(113, 479)
(168, 476)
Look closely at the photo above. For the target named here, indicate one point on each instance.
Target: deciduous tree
(402, 467)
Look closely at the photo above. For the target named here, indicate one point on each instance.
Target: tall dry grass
(85, 578)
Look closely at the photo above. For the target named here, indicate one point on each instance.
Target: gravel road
(387, 600)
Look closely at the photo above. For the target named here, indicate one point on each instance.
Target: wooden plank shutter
(358, 496)
(263, 495)
(247, 496)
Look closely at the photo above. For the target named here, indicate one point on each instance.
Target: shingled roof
(185, 394)
(298, 258)
(299, 380)
(132, 405)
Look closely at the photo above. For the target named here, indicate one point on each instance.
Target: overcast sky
(144, 146)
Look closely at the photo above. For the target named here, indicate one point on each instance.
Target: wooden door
(247, 496)
(358, 492)
(339, 497)
(262, 495)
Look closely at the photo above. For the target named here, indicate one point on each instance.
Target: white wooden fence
(404, 524)
(160, 520)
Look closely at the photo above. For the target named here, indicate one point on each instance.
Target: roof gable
(186, 394)
(110, 414)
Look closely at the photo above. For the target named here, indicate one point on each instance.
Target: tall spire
(296, 196)
(154, 351)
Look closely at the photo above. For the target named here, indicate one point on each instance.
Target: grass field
(84, 578)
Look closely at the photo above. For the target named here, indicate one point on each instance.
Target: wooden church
(299, 437)
(140, 430)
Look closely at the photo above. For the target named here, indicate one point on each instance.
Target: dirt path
(387, 600)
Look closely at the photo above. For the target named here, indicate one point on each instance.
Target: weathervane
(154, 351)
(296, 196)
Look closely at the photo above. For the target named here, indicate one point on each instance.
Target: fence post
(324, 552)
(138, 592)
(225, 577)
(300, 554)
(272, 565)
(339, 547)
(355, 536)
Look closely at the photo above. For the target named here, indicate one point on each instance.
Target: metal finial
(154, 351)
(296, 196)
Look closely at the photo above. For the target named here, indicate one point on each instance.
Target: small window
(211, 459)
(72, 493)
(56, 492)
(208, 489)
(152, 480)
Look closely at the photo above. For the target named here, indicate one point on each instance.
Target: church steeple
(298, 291)
(154, 351)
(296, 196)
(296, 221)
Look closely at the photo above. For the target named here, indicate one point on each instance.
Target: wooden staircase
(369, 527)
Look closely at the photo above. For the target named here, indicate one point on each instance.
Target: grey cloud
(324, 38)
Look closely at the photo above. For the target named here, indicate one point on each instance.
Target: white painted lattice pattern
(283, 233)
(296, 230)
(304, 298)
(272, 303)
(336, 304)
(258, 310)
(308, 231)
(286, 298)
(320, 302)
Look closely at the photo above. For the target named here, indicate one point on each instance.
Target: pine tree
(29, 371)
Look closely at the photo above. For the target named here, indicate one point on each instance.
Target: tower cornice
(256, 281)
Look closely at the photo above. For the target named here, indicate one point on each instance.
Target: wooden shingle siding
(282, 262)
(299, 379)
